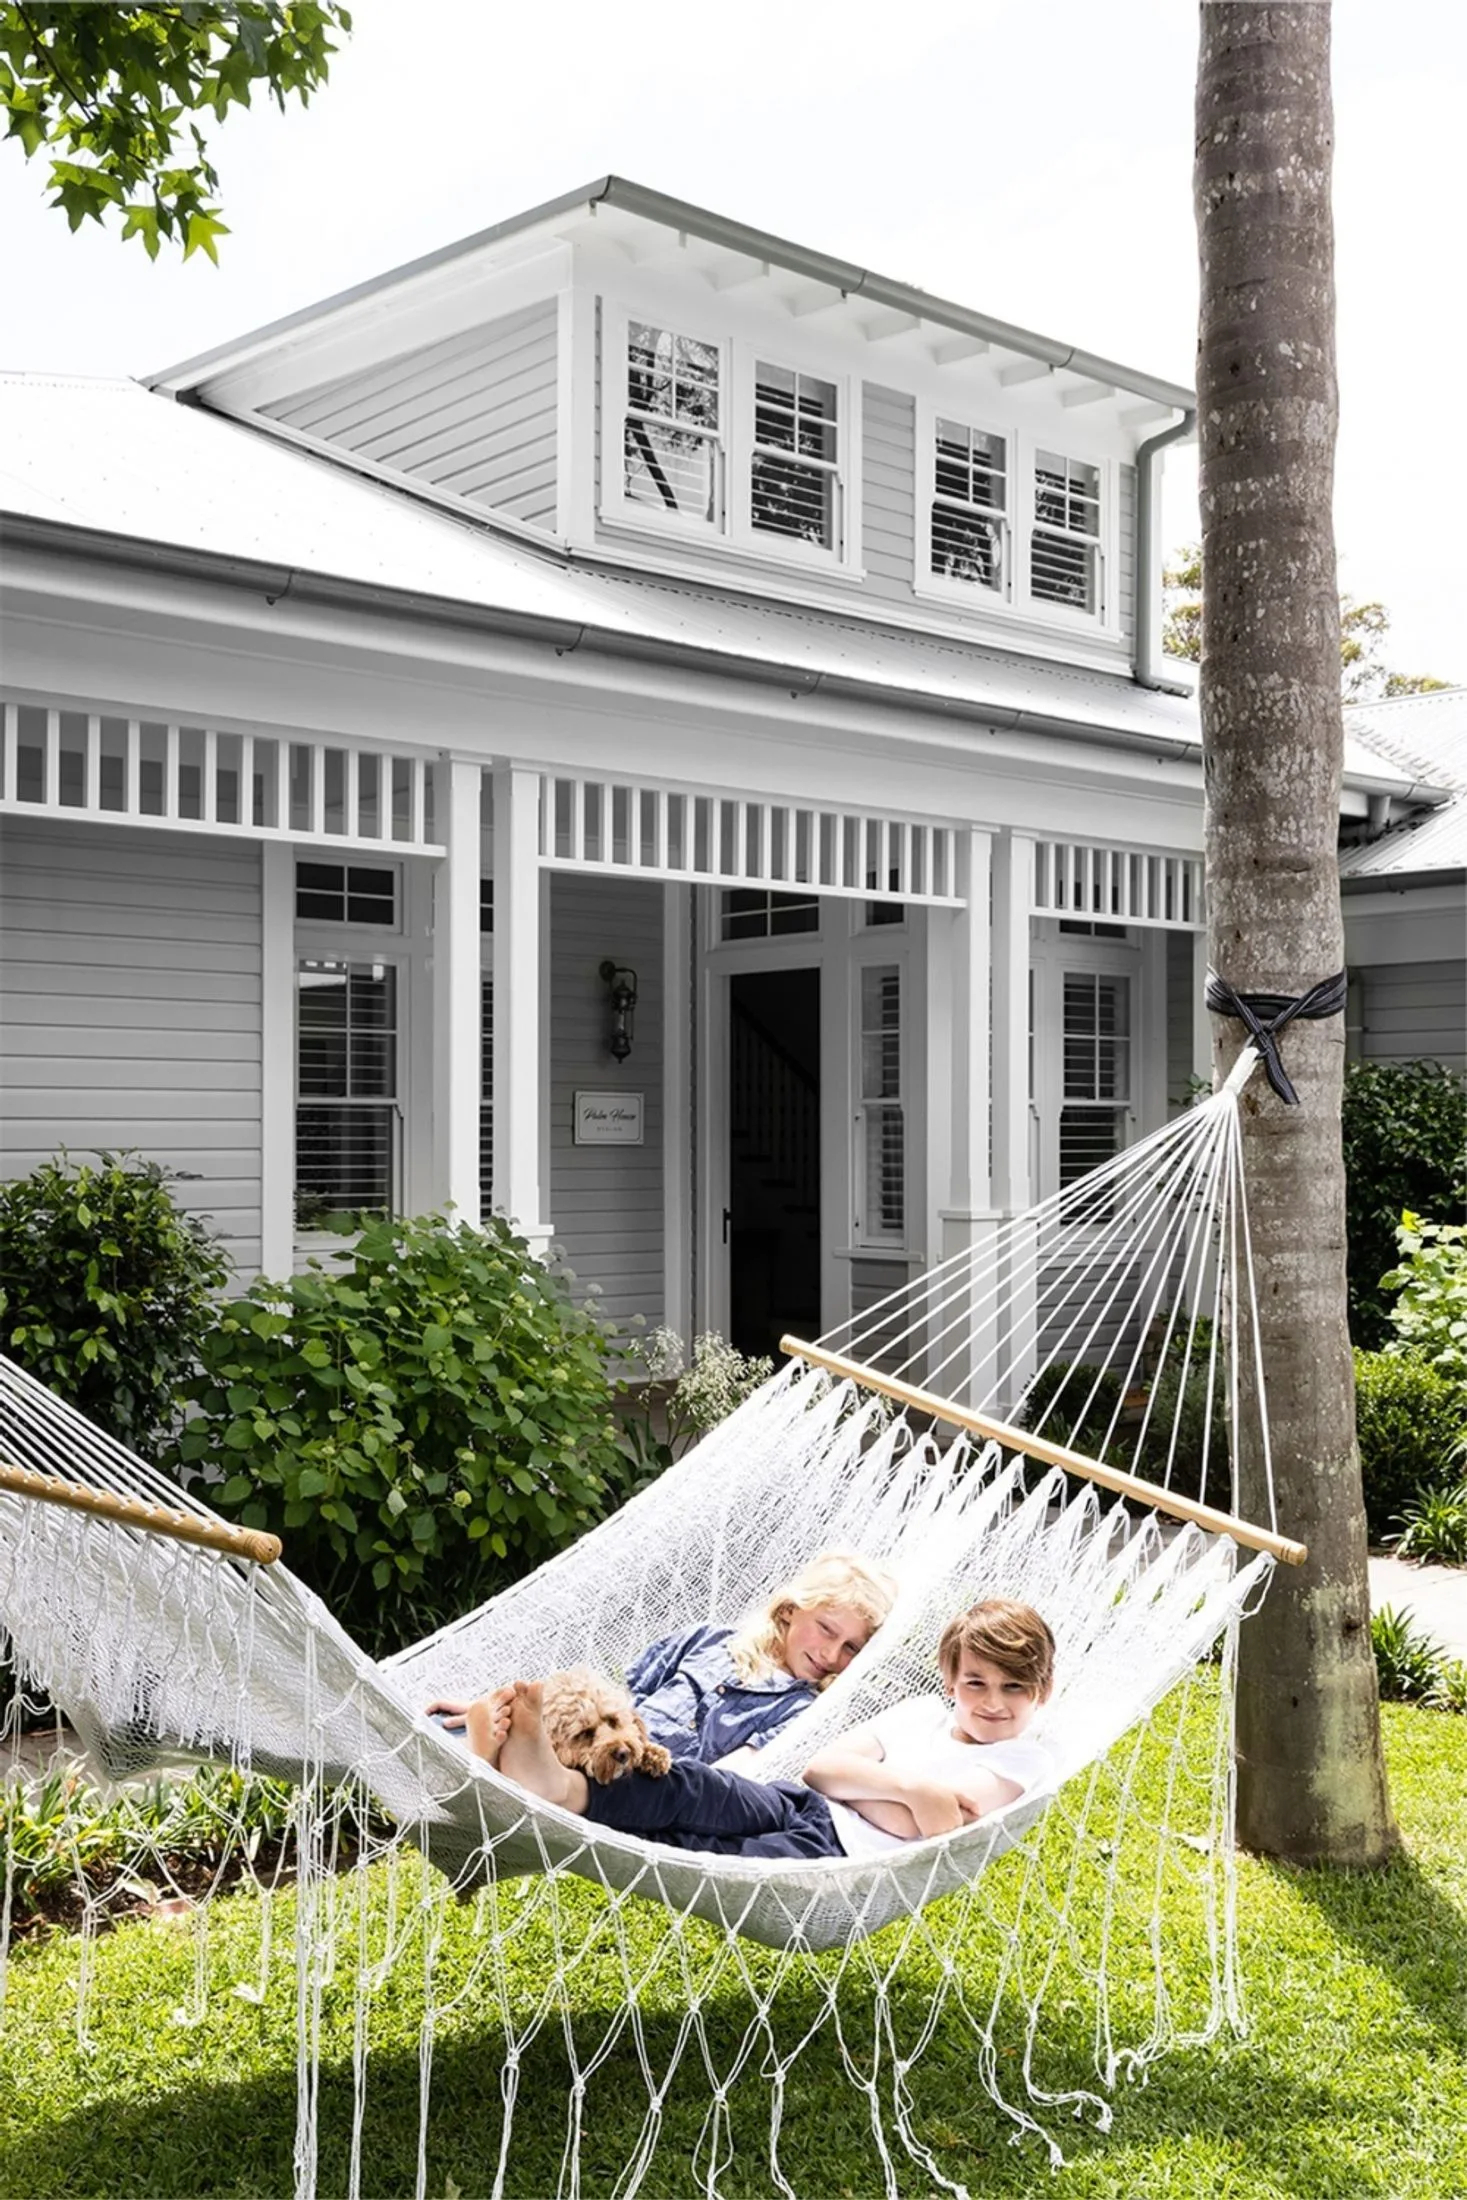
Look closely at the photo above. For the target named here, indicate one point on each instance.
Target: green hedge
(419, 1427)
(1408, 1419)
(1404, 1127)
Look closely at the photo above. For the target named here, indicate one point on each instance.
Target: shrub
(1430, 1316)
(1408, 1420)
(1408, 1664)
(1405, 1141)
(1183, 1426)
(419, 1426)
(1072, 1403)
(677, 1403)
(1435, 1526)
(105, 1287)
(1448, 1692)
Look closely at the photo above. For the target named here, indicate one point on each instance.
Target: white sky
(1032, 161)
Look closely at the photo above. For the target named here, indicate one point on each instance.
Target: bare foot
(488, 1723)
(528, 1757)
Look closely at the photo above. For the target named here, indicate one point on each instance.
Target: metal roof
(1427, 736)
(696, 221)
(109, 466)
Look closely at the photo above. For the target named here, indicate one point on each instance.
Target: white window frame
(1102, 547)
(942, 585)
(838, 473)
(616, 505)
(739, 358)
(1054, 954)
(865, 1239)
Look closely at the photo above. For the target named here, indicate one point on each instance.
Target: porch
(348, 978)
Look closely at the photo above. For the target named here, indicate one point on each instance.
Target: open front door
(773, 1217)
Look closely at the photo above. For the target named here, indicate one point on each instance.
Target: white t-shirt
(917, 1736)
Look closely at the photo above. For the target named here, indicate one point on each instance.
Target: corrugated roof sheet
(113, 457)
(1425, 735)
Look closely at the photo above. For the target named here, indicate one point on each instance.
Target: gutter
(275, 583)
(731, 236)
(1148, 575)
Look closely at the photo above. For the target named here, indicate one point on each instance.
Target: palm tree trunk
(1311, 1774)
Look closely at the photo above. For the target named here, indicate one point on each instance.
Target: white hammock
(164, 1653)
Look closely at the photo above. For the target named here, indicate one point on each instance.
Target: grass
(1350, 2085)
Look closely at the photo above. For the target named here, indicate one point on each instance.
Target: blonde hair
(1004, 1633)
(836, 1577)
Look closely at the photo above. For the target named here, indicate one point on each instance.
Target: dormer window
(672, 449)
(1064, 554)
(969, 506)
(794, 487)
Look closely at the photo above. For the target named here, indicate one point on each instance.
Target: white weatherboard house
(620, 602)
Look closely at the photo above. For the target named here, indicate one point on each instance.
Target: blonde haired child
(718, 1694)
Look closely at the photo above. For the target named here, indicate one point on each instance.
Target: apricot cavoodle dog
(593, 1726)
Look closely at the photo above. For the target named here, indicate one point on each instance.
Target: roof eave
(711, 228)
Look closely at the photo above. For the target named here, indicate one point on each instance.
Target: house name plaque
(608, 1118)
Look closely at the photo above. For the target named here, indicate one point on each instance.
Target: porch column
(1013, 902)
(520, 1055)
(959, 1069)
(1201, 1020)
(456, 995)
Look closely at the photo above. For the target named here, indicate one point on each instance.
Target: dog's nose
(623, 1756)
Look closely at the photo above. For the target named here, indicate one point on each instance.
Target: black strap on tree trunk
(1267, 1014)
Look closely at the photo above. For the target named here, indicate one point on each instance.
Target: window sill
(614, 519)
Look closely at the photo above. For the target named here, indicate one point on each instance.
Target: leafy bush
(1409, 1420)
(1448, 1692)
(1435, 1526)
(1072, 1403)
(1430, 1316)
(105, 1287)
(419, 1426)
(1184, 1428)
(678, 1403)
(1408, 1664)
(1405, 1141)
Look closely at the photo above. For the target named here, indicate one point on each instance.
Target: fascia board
(710, 228)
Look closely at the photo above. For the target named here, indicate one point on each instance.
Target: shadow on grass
(1403, 1925)
(1206, 2108)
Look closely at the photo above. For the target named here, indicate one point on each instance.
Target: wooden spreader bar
(131, 1512)
(1052, 1455)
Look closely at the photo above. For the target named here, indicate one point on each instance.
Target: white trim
(677, 1111)
(277, 1060)
(519, 1052)
(457, 1005)
(1055, 954)
(1105, 882)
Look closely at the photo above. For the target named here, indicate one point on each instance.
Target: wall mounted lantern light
(622, 983)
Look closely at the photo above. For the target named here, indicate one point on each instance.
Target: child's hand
(937, 1808)
(453, 1712)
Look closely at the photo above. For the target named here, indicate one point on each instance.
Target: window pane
(1087, 1137)
(794, 495)
(885, 1168)
(672, 458)
(751, 914)
(1064, 552)
(343, 1164)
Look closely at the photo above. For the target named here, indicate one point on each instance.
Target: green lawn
(1351, 2083)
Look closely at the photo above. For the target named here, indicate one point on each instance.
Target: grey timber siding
(889, 491)
(1178, 1019)
(1126, 577)
(606, 1201)
(1414, 1012)
(474, 414)
(130, 1010)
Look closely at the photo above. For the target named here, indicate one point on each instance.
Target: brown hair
(1004, 1633)
(837, 1577)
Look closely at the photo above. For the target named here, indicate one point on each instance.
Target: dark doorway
(773, 1219)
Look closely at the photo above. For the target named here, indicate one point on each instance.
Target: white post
(519, 1052)
(959, 954)
(1201, 1018)
(456, 998)
(1013, 903)
(677, 1109)
(277, 1060)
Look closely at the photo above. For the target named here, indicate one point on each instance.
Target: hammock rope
(1084, 1339)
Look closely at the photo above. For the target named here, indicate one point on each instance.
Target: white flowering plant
(676, 1400)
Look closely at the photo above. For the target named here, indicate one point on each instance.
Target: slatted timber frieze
(116, 769)
(632, 830)
(1089, 883)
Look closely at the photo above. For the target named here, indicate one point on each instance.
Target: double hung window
(1064, 550)
(672, 438)
(1096, 1087)
(880, 1117)
(969, 507)
(346, 1091)
(794, 486)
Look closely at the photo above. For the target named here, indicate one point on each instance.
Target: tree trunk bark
(1311, 1774)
